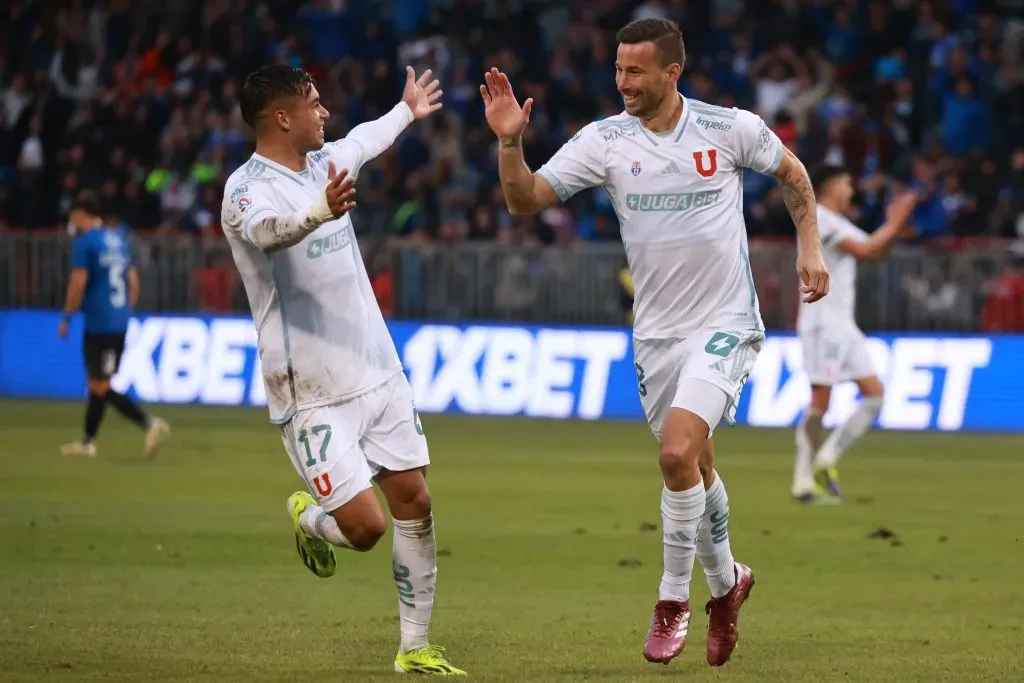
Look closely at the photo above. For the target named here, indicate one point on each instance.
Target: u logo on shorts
(323, 484)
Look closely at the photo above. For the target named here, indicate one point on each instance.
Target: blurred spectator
(141, 106)
(1004, 310)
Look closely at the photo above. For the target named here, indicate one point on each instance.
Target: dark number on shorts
(317, 430)
(416, 421)
(640, 386)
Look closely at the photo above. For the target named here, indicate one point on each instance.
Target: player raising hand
(835, 350)
(333, 378)
(673, 168)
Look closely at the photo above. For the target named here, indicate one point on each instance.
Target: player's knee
(99, 387)
(679, 454)
(367, 534)
(872, 390)
(418, 505)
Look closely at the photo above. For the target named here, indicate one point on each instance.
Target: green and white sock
(713, 548)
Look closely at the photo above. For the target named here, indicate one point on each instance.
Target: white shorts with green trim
(703, 373)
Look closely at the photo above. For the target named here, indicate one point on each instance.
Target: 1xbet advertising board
(932, 382)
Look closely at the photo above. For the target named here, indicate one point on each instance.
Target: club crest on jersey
(706, 162)
(637, 168)
(243, 203)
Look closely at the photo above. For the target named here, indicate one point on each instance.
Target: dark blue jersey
(106, 256)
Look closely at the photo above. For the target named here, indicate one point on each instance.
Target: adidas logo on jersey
(671, 169)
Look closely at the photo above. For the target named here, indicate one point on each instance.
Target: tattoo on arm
(798, 195)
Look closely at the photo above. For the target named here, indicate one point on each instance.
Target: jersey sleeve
(579, 164)
(759, 149)
(80, 252)
(834, 230)
(369, 140)
(244, 205)
(347, 155)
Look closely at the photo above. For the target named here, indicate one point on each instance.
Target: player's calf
(414, 556)
(842, 438)
(362, 528)
(357, 525)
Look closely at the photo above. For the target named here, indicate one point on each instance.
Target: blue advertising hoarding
(932, 382)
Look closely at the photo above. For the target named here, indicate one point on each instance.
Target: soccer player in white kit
(673, 169)
(333, 378)
(834, 348)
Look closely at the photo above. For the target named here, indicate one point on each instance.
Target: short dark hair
(88, 202)
(821, 176)
(269, 83)
(663, 33)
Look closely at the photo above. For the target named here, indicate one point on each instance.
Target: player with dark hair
(104, 285)
(835, 350)
(673, 168)
(333, 377)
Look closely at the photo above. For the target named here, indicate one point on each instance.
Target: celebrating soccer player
(835, 350)
(673, 168)
(333, 378)
(104, 285)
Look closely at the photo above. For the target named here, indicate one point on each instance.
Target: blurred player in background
(333, 377)
(673, 168)
(835, 350)
(104, 285)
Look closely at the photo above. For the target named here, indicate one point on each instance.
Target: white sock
(680, 517)
(842, 438)
(414, 562)
(808, 441)
(713, 549)
(315, 521)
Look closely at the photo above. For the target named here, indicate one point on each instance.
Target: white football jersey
(321, 336)
(679, 200)
(838, 307)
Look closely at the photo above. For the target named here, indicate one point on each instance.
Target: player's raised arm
(525, 192)
(270, 231)
(421, 98)
(879, 242)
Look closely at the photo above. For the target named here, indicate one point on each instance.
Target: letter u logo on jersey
(706, 169)
(323, 484)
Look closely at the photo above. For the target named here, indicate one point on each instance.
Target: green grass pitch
(183, 569)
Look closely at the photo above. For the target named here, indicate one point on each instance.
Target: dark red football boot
(723, 615)
(667, 636)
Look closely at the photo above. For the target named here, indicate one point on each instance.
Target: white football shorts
(338, 449)
(836, 354)
(703, 374)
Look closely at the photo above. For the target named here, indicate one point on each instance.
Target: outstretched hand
(504, 115)
(421, 94)
(901, 207)
(340, 190)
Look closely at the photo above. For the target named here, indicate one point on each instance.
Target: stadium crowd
(138, 100)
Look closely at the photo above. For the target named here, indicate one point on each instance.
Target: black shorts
(102, 354)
